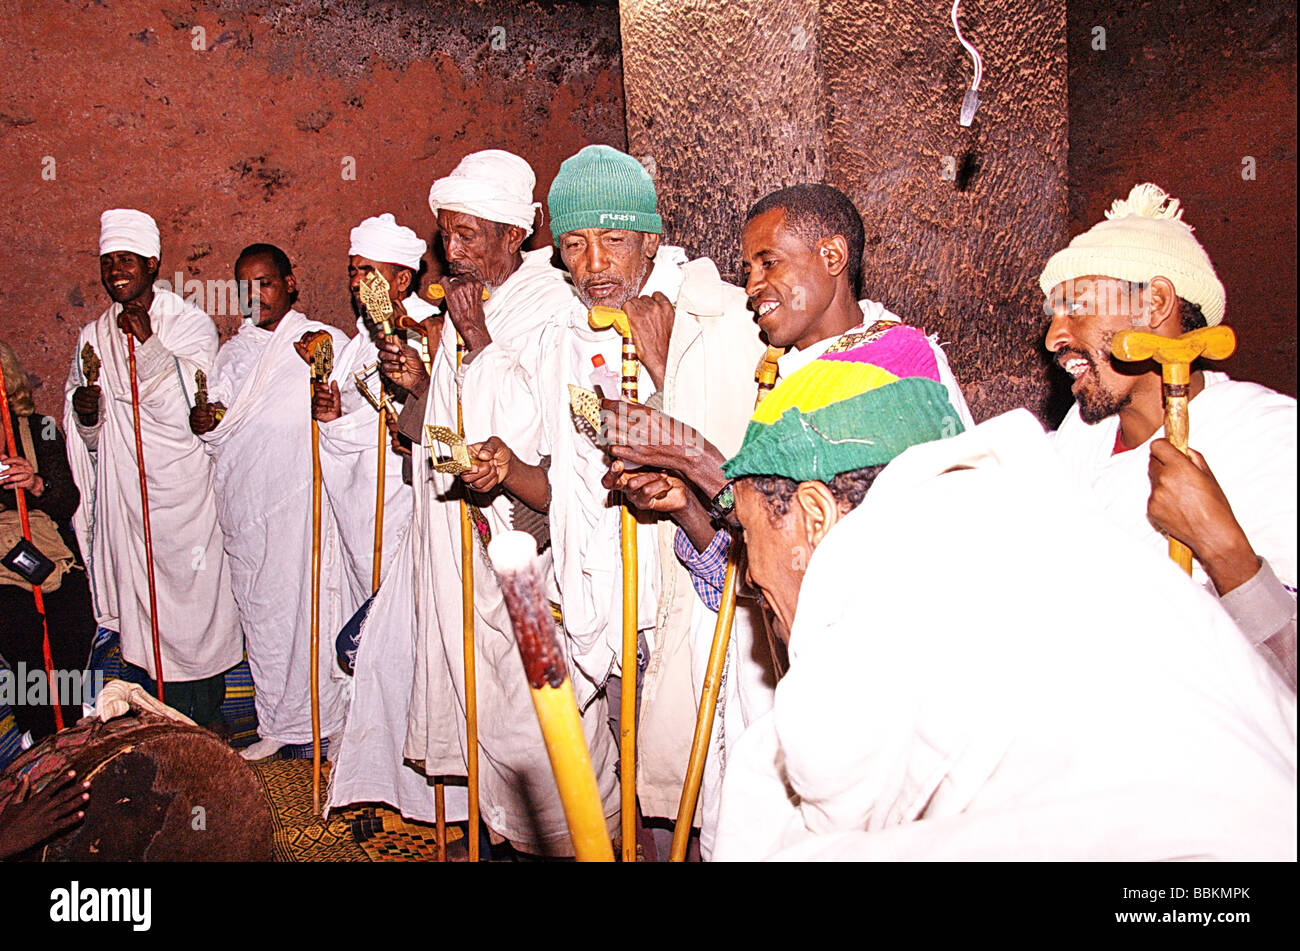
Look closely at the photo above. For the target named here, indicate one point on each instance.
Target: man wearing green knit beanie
(1232, 498)
(697, 348)
(697, 345)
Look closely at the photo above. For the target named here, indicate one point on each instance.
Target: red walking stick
(144, 515)
(37, 595)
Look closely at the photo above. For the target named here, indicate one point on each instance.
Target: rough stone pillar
(733, 99)
(724, 104)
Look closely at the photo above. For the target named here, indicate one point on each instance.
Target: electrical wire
(974, 53)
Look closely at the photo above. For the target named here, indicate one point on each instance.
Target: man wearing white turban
(261, 452)
(485, 211)
(197, 620)
(348, 422)
(368, 766)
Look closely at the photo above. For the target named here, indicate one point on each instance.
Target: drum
(160, 791)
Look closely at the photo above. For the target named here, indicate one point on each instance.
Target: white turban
(383, 239)
(125, 229)
(491, 184)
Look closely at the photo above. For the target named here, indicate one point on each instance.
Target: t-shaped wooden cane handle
(1175, 356)
(601, 317)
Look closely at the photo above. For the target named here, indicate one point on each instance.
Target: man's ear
(291, 283)
(834, 254)
(151, 266)
(650, 246)
(401, 281)
(816, 510)
(1163, 307)
(515, 238)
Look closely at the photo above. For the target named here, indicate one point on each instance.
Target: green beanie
(601, 187)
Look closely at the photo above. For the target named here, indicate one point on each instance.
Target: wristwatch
(723, 504)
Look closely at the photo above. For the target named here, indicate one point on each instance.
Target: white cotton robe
(708, 384)
(956, 692)
(197, 620)
(369, 766)
(1247, 434)
(518, 798)
(349, 464)
(261, 452)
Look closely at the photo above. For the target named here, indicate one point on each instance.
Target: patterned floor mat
(387, 837)
(356, 834)
(299, 834)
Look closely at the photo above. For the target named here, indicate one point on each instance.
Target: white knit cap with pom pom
(1143, 236)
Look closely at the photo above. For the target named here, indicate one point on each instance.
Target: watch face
(723, 503)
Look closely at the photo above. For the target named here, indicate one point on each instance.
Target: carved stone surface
(232, 121)
(723, 106)
(1181, 95)
(739, 98)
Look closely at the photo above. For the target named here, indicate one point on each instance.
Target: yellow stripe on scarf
(829, 382)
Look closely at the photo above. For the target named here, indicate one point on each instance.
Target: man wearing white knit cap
(197, 621)
(485, 212)
(1233, 502)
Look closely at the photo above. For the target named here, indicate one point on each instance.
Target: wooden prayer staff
(766, 376)
(380, 475)
(1175, 356)
(11, 447)
(467, 624)
(436, 294)
(320, 348)
(600, 318)
(374, 297)
(514, 559)
(144, 515)
(374, 293)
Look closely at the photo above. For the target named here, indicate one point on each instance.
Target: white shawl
(958, 692)
(197, 620)
(709, 384)
(262, 456)
(1247, 434)
(501, 397)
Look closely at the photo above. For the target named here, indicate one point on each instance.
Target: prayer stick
(436, 294)
(144, 515)
(600, 318)
(440, 821)
(11, 447)
(1175, 356)
(766, 376)
(514, 559)
(467, 625)
(320, 349)
(379, 499)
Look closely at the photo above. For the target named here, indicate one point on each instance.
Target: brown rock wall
(248, 136)
(1181, 94)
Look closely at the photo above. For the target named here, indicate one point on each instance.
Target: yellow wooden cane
(514, 559)
(766, 376)
(320, 348)
(467, 624)
(1175, 356)
(600, 318)
(380, 477)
